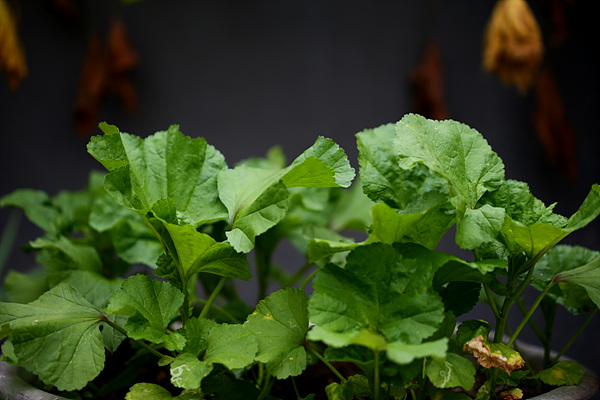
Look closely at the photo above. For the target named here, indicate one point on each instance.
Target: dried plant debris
(12, 54)
(513, 47)
(428, 84)
(552, 127)
(107, 69)
(494, 355)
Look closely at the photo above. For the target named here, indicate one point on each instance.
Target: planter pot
(14, 384)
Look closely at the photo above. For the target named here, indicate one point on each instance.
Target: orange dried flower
(12, 55)
(513, 47)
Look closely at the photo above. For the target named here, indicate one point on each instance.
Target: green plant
(383, 313)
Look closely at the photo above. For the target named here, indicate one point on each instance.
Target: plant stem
(536, 329)
(525, 319)
(491, 300)
(124, 332)
(212, 297)
(573, 337)
(219, 309)
(376, 382)
(299, 274)
(308, 279)
(327, 363)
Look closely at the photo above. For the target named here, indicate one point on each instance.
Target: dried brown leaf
(552, 127)
(495, 355)
(428, 84)
(513, 47)
(12, 54)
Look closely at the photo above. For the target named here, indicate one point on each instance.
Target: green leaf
(233, 346)
(68, 255)
(347, 390)
(384, 180)
(478, 226)
(403, 353)
(453, 371)
(464, 158)
(536, 230)
(167, 164)
(360, 296)
(64, 318)
(257, 198)
(564, 258)
(151, 391)
(38, 208)
(461, 297)
(223, 387)
(151, 305)
(562, 373)
(586, 276)
(280, 323)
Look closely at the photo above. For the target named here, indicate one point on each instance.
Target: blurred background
(247, 75)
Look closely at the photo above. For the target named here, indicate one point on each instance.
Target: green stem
(536, 329)
(124, 332)
(308, 279)
(327, 363)
(376, 382)
(491, 300)
(266, 387)
(573, 337)
(532, 309)
(221, 310)
(212, 297)
(299, 274)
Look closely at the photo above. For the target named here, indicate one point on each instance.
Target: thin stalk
(299, 274)
(376, 382)
(572, 339)
(525, 319)
(423, 382)
(536, 329)
(124, 332)
(221, 310)
(327, 363)
(212, 297)
(295, 388)
(308, 279)
(266, 387)
(491, 300)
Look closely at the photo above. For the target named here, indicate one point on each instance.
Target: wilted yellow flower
(12, 55)
(513, 47)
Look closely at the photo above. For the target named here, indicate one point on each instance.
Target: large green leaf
(151, 305)
(280, 323)
(57, 337)
(382, 295)
(38, 208)
(167, 164)
(561, 373)
(463, 157)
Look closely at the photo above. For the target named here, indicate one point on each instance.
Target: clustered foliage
(388, 305)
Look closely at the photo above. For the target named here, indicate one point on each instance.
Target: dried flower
(12, 55)
(513, 47)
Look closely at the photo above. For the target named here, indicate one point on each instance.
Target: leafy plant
(383, 311)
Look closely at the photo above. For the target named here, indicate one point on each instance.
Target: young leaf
(151, 305)
(62, 317)
(463, 157)
(151, 391)
(280, 323)
(167, 164)
(561, 373)
(453, 371)
(355, 385)
(257, 198)
(233, 346)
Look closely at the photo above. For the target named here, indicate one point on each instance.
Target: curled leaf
(494, 355)
(513, 47)
(12, 55)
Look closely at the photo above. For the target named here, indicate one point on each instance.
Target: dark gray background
(247, 75)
